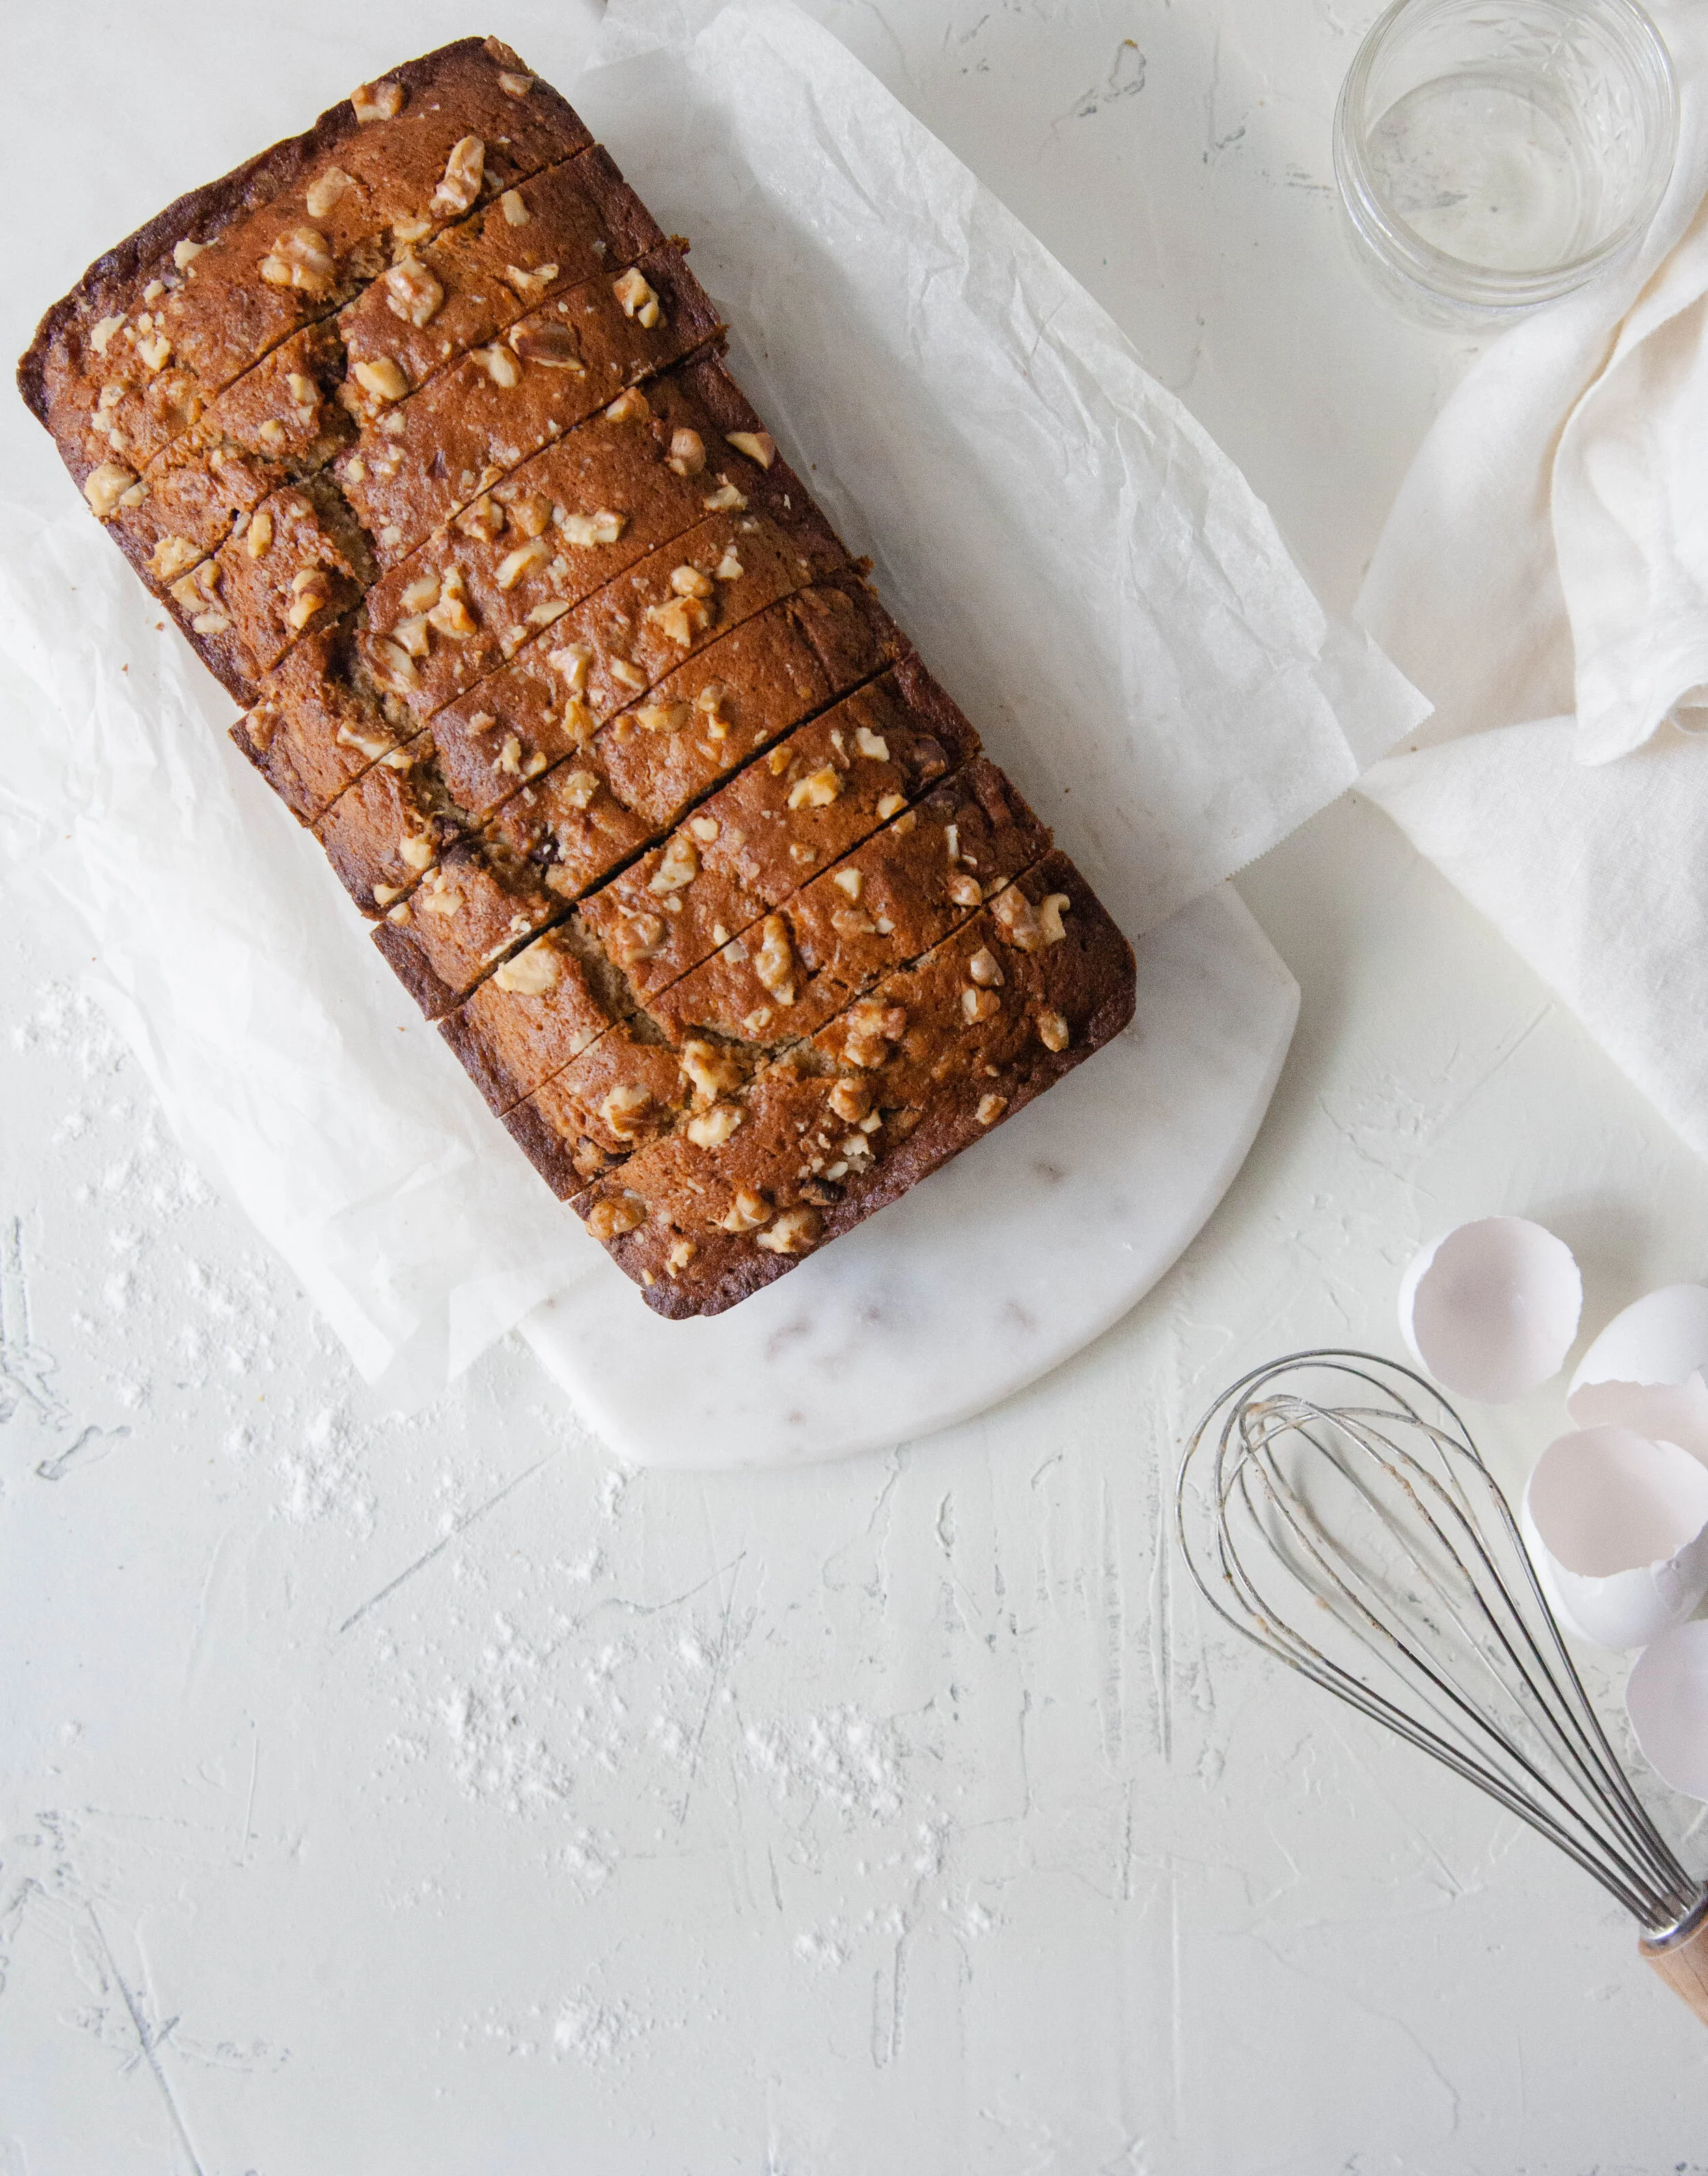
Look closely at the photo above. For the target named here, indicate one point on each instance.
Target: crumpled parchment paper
(1092, 578)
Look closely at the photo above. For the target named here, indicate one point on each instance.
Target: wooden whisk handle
(1681, 1958)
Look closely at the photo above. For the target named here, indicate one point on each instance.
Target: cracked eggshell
(1648, 1370)
(1622, 1526)
(1490, 1309)
(1667, 1699)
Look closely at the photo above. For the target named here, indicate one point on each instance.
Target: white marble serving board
(989, 1273)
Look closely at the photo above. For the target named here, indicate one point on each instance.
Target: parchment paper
(1092, 579)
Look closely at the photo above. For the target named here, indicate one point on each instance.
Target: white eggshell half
(1490, 1309)
(1622, 1525)
(1667, 1699)
(1648, 1370)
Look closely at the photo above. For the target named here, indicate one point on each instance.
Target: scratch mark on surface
(444, 1541)
(25, 1366)
(1115, 1631)
(714, 1677)
(1505, 1051)
(148, 2041)
(249, 1809)
(1125, 79)
(90, 1447)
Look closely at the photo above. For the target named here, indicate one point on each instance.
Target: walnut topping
(184, 251)
(792, 1232)
(324, 191)
(758, 445)
(729, 568)
(625, 671)
(892, 804)
(531, 514)
(631, 406)
(516, 213)
(710, 1071)
(416, 851)
(155, 351)
(682, 620)
(681, 1255)
(979, 1004)
(711, 1129)
(303, 390)
(610, 1219)
(1053, 1030)
(272, 435)
(421, 593)
(482, 520)
(461, 181)
(725, 499)
(194, 590)
(577, 790)
(663, 718)
(553, 347)
(710, 700)
(689, 582)
(102, 332)
(822, 1192)
(635, 298)
(300, 259)
(513, 84)
(382, 379)
(517, 564)
(1050, 912)
(583, 529)
(817, 789)
(571, 662)
(210, 623)
(173, 555)
(687, 456)
(636, 937)
(311, 592)
(258, 540)
(412, 291)
(748, 1212)
(1027, 927)
(850, 1099)
(704, 827)
(499, 365)
(451, 615)
(413, 634)
(677, 867)
(983, 969)
(773, 961)
(527, 283)
(871, 1027)
(850, 882)
(377, 101)
(964, 891)
(438, 895)
(990, 1109)
(625, 1110)
(531, 972)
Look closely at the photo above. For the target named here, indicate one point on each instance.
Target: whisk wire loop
(1425, 1612)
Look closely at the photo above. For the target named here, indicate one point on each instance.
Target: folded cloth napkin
(1544, 578)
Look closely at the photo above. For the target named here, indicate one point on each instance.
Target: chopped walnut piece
(531, 972)
(817, 789)
(748, 1212)
(272, 434)
(983, 969)
(413, 634)
(521, 562)
(628, 673)
(423, 592)
(625, 1111)
(850, 882)
(571, 662)
(635, 298)
(303, 390)
(704, 827)
(583, 529)
(412, 291)
(499, 365)
(461, 181)
(196, 589)
(531, 514)
(965, 890)
(311, 591)
(990, 1109)
(1021, 923)
(577, 790)
(451, 615)
(850, 1099)
(513, 84)
(183, 251)
(682, 620)
(689, 582)
(792, 1232)
(725, 499)
(516, 213)
(610, 1219)
(1053, 1030)
(711, 1129)
(300, 259)
(155, 351)
(636, 937)
(872, 744)
(526, 282)
(677, 867)
(773, 961)
(710, 1071)
(892, 804)
(392, 666)
(417, 850)
(383, 379)
(681, 1255)
(729, 568)
(324, 191)
(687, 455)
(662, 718)
(631, 406)
(482, 518)
(553, 347)
(104, 487)
(871, 1027)
(979, 1004)
(377, 101)
(1050, 912)
(173, 555)
(758, 445)
(210, 623)
(257, 539)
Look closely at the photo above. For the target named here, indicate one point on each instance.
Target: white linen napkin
(1543, 577)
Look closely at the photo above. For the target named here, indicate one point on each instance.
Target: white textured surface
(424, 1797)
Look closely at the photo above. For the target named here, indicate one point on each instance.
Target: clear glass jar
(1494, 154)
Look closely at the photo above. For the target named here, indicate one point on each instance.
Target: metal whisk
(1333, 1508)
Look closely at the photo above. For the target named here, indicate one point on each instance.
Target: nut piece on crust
(377, 101)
